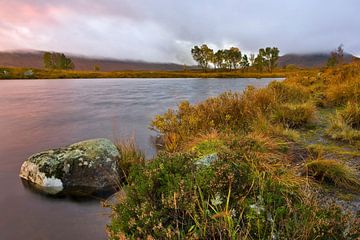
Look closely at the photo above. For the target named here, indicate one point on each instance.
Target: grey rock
(207, 160)
(83, 168)
(28, 73)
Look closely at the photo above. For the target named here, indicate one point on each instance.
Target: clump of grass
(130, 155)
(289, 92)
(344, 125)
(333, 172)
(294, 115)
(339, 94)
(207, 147)
(322, 150)
(351, 114)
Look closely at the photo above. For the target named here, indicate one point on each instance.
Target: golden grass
(18, 73)
(294, 115)
(130, 155)
(344, 124)
(333, 172)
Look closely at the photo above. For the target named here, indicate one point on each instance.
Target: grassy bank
(25, 73)
(280, 162)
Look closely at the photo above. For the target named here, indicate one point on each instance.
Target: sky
(165, 30)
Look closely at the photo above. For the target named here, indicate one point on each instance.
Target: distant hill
(35, 60)
(309, 60)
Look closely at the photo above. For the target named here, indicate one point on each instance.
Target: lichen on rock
(82, 168)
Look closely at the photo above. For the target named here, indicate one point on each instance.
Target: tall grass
(344, 124)
(333, 172)
(130, 155)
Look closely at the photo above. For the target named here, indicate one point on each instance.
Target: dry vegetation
(263, 164)
(23, 73)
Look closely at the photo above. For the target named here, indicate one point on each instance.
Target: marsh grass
(130, 155)
(344, 124)
(19, 73)
(333, 172)
(294, 115)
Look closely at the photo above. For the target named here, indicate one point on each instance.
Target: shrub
(171, 197)
(333, 172)
(228, 111)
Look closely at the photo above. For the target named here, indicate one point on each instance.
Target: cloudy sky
(165, 30)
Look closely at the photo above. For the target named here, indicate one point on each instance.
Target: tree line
(57, 61)
(232, 58)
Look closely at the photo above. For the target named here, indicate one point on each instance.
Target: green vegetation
(57, 61)
(334, 172)
(22, 73)
(262, 164)
(130, 155)
(232, 58)
(344, 125)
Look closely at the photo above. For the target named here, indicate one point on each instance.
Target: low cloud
(162, 31)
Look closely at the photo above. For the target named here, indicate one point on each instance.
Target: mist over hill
(34, 59)
(309, 60)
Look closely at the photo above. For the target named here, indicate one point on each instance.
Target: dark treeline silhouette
(233, 59)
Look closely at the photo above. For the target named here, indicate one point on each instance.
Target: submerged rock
(83, 168)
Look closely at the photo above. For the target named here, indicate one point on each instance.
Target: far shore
(7, 73)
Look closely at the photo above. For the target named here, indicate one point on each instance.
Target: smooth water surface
(39, 114)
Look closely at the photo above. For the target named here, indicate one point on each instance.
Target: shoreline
(9, 73)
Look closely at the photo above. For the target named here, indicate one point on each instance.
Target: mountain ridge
(34, 59)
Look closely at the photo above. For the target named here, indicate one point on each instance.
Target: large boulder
(83, 168)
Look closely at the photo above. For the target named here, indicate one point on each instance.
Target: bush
(171, 197)
(229, 111)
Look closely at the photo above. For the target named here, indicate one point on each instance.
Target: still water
(39, 114)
